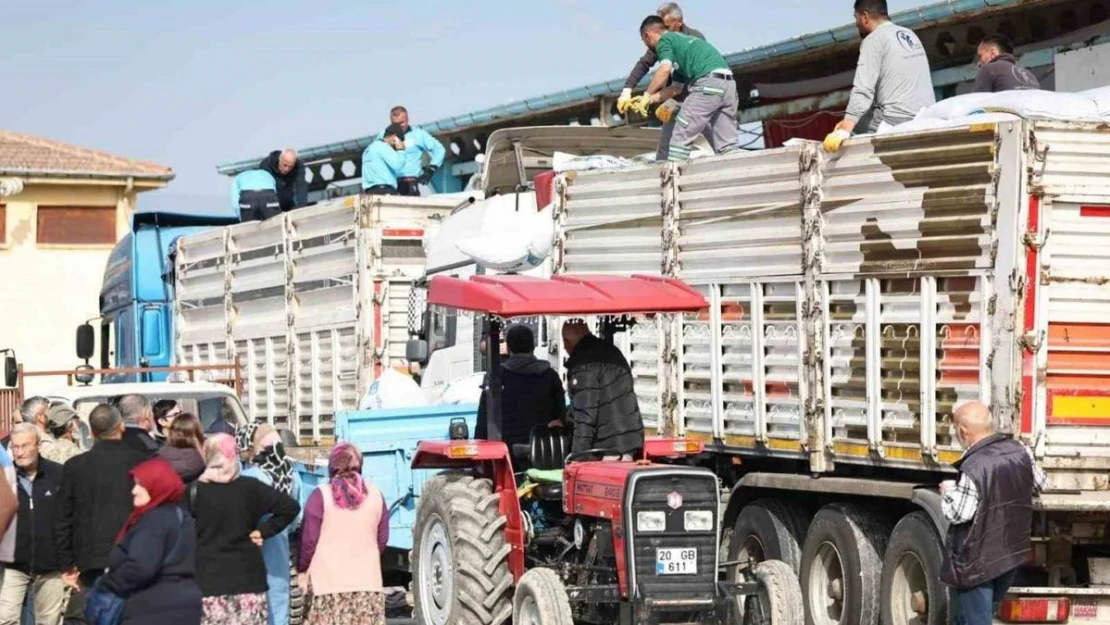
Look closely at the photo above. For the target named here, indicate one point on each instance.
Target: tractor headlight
(698, 521)
(651, 521)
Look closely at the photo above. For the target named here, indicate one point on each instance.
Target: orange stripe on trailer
(1094, 211)
(1084, 407)
(403, 232)
(1029, 359)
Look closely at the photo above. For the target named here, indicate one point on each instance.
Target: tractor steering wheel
(601, 452)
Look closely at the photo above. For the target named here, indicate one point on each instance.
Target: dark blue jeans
(976, 606)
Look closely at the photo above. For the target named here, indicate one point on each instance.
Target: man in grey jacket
(893, 81)
(673, 19)
(998, 69)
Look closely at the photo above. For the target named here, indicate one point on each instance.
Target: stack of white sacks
(976, 108)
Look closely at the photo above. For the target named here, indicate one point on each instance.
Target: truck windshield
(213, 409)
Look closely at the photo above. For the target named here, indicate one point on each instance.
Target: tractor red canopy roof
(521, 296)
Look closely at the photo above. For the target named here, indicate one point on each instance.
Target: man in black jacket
(531, 392)
(998, 69)
(288, 171)
(35, 562)
(606, 411)
(138, 418)
(94, 502)
(990, 514)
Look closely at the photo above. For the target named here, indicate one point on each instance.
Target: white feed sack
(511, 240)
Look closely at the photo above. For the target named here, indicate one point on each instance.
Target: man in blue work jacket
(424, 154)
(383, 161)
(254, 195)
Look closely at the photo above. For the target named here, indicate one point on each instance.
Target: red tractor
(571, 539)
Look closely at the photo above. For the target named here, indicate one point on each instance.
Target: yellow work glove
(666, 111)
(835, 139)
(624, 101)
(640, 104)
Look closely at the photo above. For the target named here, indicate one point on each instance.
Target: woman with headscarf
(153, 565)
(184, 444)
(345, 530)
(265, 460)
(234, 517)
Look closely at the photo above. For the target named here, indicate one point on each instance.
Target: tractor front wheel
(541, 599)
(460, 560)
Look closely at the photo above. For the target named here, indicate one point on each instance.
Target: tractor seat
(549, 476)
(549, 448)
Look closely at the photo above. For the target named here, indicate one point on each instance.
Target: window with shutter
(76, 225)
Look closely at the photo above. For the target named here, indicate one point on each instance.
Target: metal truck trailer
(314, 303)
(856, 299)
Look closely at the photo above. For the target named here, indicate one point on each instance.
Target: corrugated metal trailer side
(313, 302)
(857, 299)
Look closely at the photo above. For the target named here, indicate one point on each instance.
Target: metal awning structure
(509, 296)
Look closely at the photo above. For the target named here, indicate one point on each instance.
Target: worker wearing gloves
(892, 81)
(383, 161)
(254, 195)
(710, 109)
(424, 153)
(671, 14)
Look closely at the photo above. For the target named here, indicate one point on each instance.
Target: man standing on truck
(424, 153)
(288, 172)
(254, 196)
(531, 392)
(998, 69)
(606, 412)
(710, 109)
(990, 511)
(383, 161)
(893, 81)
(672, 17)
(35, 561)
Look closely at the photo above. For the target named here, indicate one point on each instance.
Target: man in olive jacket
(606, 411)
(990, 511)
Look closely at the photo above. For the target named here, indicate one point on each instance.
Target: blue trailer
(388, 439)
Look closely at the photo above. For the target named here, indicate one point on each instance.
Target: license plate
(1084, 608)
(672, 561)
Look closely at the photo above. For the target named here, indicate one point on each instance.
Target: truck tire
(460, 560)
(842, 566)
(769, 529)
(911, 588)
(780, 597)
(296, 597)
(541, 599)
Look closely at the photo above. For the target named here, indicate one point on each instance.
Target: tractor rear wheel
(779, 601)
(460, 559)
(541, 599)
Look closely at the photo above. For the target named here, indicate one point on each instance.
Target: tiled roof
(29, 155)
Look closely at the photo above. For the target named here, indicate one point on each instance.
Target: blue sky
(194, 84)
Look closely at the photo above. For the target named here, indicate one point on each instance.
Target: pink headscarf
(221, 454)
(345, 468)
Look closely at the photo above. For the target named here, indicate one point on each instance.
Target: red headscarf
(161, 481)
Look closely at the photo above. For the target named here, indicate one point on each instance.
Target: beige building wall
(48, 290)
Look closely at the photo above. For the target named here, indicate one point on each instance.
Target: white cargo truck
(856, 299)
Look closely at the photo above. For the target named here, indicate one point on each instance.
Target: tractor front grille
(650, 492)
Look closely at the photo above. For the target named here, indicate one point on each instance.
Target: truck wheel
(296, 598)
(842, 566)
(460, 560)
(779, 601)
(911, 587)
(541, 600)
(769, 529)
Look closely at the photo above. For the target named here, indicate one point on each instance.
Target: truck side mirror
(416, 350)
(11, 371)
(86, 341)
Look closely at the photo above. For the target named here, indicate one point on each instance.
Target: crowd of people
(157, 522)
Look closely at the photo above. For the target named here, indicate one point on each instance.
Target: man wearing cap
(64, 427)
(383, 162)
(424, 153)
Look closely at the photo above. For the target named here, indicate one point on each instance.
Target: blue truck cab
(136, 296)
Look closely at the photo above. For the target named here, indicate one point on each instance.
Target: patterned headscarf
(244, 435)
(222, 457)
(345, 468)
(269, 455)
